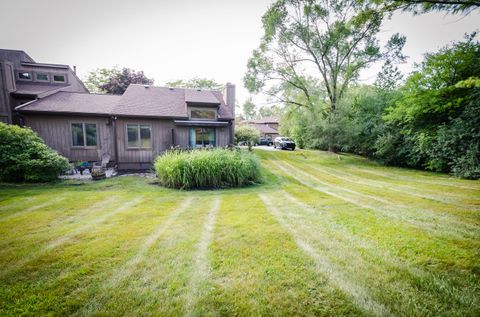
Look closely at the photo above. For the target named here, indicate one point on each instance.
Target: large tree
(328, 40)
(196, 83)
(114, 80)
(423, 6)
(249, 109)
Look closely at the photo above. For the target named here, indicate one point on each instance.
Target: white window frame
(41, 80)
(58, 81)
(202, 108)
(139, 140)
(17, 73)
(84, 130)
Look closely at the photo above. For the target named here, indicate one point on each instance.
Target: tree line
(310, 58)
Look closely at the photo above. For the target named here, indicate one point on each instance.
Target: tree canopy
(114, 80)
(249, 109)
(423, 6)
(196, 83)
(430, 121)
(331, 41)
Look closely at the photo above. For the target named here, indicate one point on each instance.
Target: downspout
(115, 141)
(232, 132)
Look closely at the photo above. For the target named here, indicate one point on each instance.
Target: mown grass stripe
(125, 271)
(359, 294)
(151, 239)
(201, 267)
(416, 179)
(420, 213)
(89, 225)
(382, 185)
(421, 218)
(48, 203)
(369, 255)
(85, 227)
(16, 203)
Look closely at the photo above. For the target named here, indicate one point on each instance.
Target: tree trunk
(331, 147)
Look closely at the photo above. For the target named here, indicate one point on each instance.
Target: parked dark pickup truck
(265, 141)
(284, 143)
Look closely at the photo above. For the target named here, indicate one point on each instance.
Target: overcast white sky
(179, 39)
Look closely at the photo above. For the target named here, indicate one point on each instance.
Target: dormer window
(203, 114)
(42, 77)
(24, 76)
(59, 78)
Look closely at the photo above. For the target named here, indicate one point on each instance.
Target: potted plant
(98, 173)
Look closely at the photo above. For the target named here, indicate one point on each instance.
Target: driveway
(265, 148)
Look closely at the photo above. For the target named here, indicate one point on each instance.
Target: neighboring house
(132, 128)
(268, 127)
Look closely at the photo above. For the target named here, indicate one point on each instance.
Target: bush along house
(132, 128)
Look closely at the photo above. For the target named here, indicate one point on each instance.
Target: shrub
(248, 134)
(207, 168)
(24, 157)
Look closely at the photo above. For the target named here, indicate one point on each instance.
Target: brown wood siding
(56, 132)
(161, 140)
(182, 136)
(223, 134)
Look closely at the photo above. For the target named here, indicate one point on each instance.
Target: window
(59, 78)
(139, 136)
(24, 76)
(203, 114)
(202, 137)
(41, 77)
(84, 134)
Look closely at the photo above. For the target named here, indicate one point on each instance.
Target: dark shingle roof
(200, 96)
(224, 111)
(137, 101)
(267, 120)
(265, 128)
(68, 102)
(152, 101)
(35, 89)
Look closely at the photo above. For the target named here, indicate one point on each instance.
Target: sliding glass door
(202, 137)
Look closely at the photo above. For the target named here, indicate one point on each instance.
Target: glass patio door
(202, 137)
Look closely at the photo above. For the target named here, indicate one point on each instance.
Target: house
(268, 127)
(132, 128)
(23, 80)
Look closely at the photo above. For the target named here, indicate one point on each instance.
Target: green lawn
(323, 235)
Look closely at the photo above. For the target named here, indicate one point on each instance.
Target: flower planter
(98, 175)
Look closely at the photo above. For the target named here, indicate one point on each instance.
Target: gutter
(201, 123)
(25, 104)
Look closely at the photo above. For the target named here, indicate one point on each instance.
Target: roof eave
(202, 104)
(63, 113)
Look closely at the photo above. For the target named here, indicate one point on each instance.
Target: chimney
(230, 97)
(74, 69)
(230, 100)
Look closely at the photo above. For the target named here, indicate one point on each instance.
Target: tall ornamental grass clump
(216, 168)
